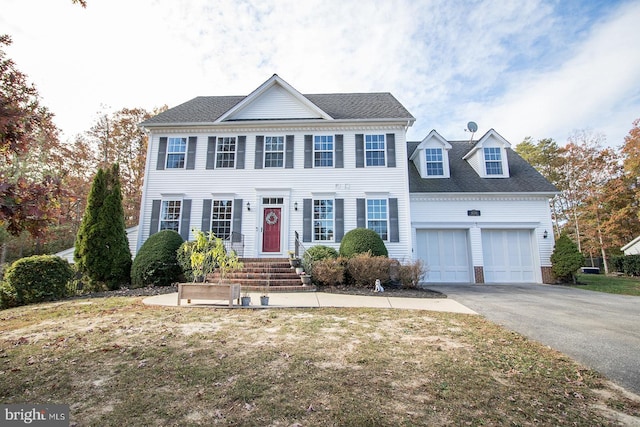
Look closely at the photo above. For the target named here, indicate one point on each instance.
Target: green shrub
(315, 254)
(7, 296)
(184, 259)
(35, 279)
(631, 265)
(364, 269)
(360, 241)
(617, 263)
(156, 263)
(328, 271)
(566, 259)
(411, 273)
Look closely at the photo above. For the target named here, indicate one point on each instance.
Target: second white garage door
(508, 256)
(445, 254)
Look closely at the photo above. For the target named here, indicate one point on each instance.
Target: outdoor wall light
(248, 206)
(545, 234)
(295, 206)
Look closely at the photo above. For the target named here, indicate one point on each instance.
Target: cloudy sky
(539, 68)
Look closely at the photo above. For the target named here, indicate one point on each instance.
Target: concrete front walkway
(322, 299)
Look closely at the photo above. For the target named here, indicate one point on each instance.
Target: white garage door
(508, 256)
(445, 254)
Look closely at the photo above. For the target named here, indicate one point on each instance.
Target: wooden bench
(209, 292)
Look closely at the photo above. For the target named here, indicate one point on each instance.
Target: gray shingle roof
(522, 176)
(358, 106)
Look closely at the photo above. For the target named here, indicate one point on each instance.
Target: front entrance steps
(258, 274)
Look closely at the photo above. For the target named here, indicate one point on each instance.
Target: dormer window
(435, 165)
(493, 160)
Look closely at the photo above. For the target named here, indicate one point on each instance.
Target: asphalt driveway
(601, 331)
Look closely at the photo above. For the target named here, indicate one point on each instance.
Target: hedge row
(628, 264)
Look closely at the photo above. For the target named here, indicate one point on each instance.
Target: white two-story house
(260, 169)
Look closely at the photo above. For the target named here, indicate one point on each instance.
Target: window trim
(161, 218)
(282, 152)
(382, 150)
(332, 220)
(499, 161)
(428, 162)
(228, 220)
(332, 150)
(219, 152)
(170, 153)
(386, 220)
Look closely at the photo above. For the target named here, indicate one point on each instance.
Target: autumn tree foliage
(598, 201)
(28, 196)
(102, 250)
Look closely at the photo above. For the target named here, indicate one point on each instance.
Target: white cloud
(518, 67)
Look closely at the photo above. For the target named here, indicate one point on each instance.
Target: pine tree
(102, 249)
(566, 259)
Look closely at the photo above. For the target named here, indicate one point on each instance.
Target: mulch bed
(159, 290)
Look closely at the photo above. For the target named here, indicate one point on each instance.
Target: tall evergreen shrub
(102, 252)
(566, 259)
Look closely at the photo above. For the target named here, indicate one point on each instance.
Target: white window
(176, 153)
(273, 151)
(493, 160)
(323, 216)
(222, 218)
(226, 153)
(170, 215)
(374, 149)
(435, 165)
(323, 151)
(378, 217)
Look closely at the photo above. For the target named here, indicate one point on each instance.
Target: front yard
(117, 362)
(610, 284)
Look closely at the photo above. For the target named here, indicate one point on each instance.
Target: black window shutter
(339, 151)
(339, 225)
(240, 149)
(394, 229)
(185, 218)
(236, 235)
(391, 150)
(359, 150)
(306, 220)
(206, 216)
(308, 151)
(288, 161)
(155, 216)
(211, 152)
(361, 213)
(191, 152)
(259, 152)
(162, 153)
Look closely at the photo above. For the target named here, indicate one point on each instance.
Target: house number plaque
(473, 212)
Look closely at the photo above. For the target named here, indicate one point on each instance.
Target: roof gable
(489, 139)
(433, 139)
(275, 99)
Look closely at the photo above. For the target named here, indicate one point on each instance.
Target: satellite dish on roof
(472, 127)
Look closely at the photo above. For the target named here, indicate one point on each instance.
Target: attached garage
(508, 256)
(445, 253)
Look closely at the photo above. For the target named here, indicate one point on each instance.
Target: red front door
(271, 230)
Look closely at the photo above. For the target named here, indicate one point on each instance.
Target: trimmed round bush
(156, 262)
(360, 241)
(35, 279)
(318, 252)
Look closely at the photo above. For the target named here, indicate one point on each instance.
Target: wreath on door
(271, 218)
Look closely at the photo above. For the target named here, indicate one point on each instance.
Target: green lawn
(117, 362)
(610, 284)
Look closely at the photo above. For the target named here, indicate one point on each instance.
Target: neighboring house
(132, 237)
(632, 248)
(258, 169)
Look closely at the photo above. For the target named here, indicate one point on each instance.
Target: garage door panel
(445, 254)
(508, 256)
